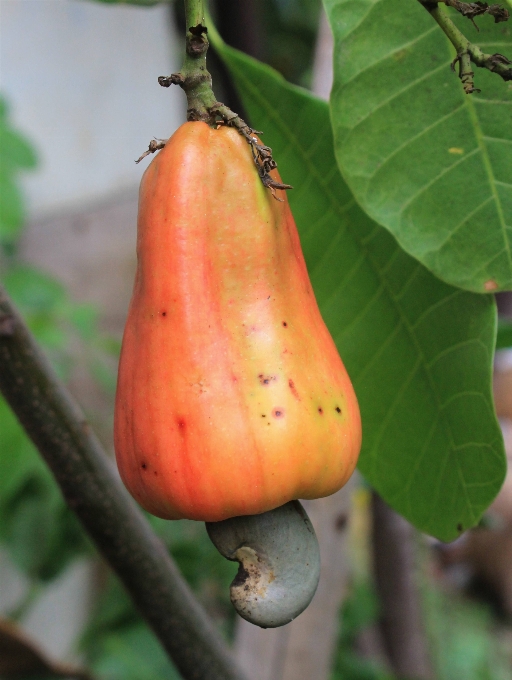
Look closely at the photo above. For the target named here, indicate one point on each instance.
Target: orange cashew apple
(231, 398)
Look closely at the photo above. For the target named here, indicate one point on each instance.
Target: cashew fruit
(231, 398)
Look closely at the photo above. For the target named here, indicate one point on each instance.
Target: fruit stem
(194, 12)
(202, 105)
(194, 77)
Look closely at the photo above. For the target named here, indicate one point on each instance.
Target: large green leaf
(430, 163)
(419, 351)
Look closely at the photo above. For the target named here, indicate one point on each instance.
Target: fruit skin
(231, 397)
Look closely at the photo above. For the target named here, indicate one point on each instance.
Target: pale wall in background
(81, 80)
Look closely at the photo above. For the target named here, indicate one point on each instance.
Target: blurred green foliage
(16, 154)
(360, 611)
(36, 527)
(465, 640)
(117, 643)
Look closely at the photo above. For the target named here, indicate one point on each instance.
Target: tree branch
(394, 564)
(93, 490)
(467, 53)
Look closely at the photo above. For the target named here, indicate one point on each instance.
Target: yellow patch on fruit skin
(456, 150)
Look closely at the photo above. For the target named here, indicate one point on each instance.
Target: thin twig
(93, 490)
(467, 52)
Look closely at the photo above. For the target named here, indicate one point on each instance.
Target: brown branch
(467, 53)
(401, 623)
(93, 490)
(470, 10)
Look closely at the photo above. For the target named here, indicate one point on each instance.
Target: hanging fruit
(232, 398)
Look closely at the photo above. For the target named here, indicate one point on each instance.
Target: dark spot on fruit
(460, 528)
(266, 379)
(155, 473)
(263, 415)
(291, 385)
(164, 313)
(320, 410)
(337, 409)
(285, 324)
(181, 423)
(143, 466)
(278, 413)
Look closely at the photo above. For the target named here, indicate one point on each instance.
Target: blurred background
(79, 101)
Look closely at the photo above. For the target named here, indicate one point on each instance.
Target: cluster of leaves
(360, 610)
(464, 638)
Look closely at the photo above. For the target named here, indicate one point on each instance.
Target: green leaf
(11, 209)
(430, 163)
(133, 654)
(4, 109)
(15, 154)
(418, 351)
(15, 151)
(32, 290)
(37, 528)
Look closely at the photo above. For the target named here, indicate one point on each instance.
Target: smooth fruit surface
(231, 398)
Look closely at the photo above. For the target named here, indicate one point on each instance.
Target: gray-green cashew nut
(279, 563)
